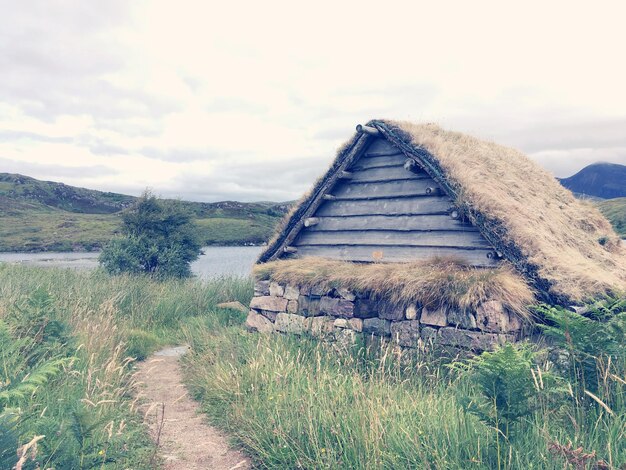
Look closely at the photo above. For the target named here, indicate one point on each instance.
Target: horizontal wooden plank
(391, 222)
(467, 240)
(378, 162)
(398, 254)
(403, 188)
(380, 147)
(397, 206)
(386, 174)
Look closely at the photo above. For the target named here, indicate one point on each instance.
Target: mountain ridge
(41, 215)
(601, 180)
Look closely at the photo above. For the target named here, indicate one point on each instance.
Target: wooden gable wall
(386, 212)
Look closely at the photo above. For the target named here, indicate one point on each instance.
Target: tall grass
(293, 402)
(296, 403)
(86, 410)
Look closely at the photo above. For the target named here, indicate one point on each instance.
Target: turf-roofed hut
(429, 236)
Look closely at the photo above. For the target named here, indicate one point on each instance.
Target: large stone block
(345, 338)
(288, 323)
(406, 333)
(346, 294)
(309, 307)
(256, 322)
(320, 327)
(355, 324)
(515, 323)
(261, 288)
(491, 316)
(268, 302)
(336, 307)
(429, 334)
(291, 292)
(269, 315)
(319, 291)
(433, 317)
(462, 319)
(412, 312)
(276, 289)
(474, 340)
(377, 326)
(365, 308)
(391, 311)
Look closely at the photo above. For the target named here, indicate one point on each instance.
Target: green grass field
(46, 216)
(32, 226)
(615, 211)
(47, 229)
(290, 402)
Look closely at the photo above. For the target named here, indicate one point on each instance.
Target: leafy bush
(511, 385)
(159, 238)
(590, 339)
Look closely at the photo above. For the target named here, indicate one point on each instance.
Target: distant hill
(48, 216)
(615, 211)
(603, 180)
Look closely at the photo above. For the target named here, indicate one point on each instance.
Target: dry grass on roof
(434, 284)
(571, 243)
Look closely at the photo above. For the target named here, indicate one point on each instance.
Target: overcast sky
(208, 100)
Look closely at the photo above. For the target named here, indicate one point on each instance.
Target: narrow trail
(185, 441)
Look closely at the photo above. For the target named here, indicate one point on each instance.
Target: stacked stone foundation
(341, 315)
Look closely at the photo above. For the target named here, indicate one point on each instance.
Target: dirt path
(185, 440)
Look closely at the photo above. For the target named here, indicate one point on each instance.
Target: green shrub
(590, 339)
(510, 384)
(158, 238)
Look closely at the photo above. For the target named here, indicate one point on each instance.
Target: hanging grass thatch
(435, 284)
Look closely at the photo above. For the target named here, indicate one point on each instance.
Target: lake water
(216, 260)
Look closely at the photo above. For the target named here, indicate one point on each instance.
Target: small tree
(158, 238)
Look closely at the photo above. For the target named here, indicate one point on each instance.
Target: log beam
(361, 129)
(311, 221)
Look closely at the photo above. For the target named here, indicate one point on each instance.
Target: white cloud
(248, 100)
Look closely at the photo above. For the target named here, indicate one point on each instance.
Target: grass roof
(563, 246)
(438, 283)
(562, 240)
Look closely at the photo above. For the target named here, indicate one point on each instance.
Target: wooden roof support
(361, 129)
(411, 165)
(311, 221)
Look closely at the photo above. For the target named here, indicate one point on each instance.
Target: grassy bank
(615, 211)
(292, 402)
(65, 373)
(47, 216)
(31, 227)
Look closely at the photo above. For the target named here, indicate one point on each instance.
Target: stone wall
(341, 315)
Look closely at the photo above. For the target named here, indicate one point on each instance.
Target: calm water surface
(216, 260)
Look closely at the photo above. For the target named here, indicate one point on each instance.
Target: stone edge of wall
(340, 315)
